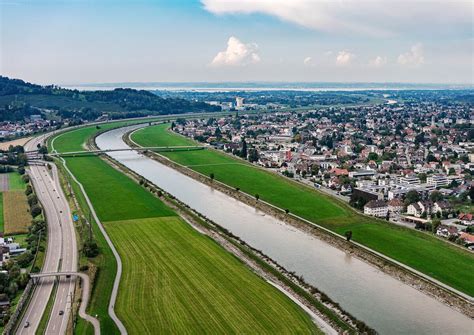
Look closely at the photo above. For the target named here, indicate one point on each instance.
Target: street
(61, 254)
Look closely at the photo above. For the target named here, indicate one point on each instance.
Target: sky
(106, 41)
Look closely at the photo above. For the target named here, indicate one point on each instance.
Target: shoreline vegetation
(188, 163)
(119, 229)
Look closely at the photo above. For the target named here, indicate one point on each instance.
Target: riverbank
(330, 316)
(390, 268)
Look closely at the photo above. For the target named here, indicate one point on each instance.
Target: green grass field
(114, 196)
(179, 281)
(15, 182)
(423, 252)
(174, 280)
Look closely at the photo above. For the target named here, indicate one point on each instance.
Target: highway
(61, 254)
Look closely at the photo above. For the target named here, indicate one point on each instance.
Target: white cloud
(412, 57)
(308, 61)
(381, 17)
(344, 58)
(378, 61)
(237, 54)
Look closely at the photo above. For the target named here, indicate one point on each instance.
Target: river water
(384, 303)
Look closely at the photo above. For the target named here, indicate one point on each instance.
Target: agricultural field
(199, 286)
(15, 181)
(16, 213)
(167, 260)
(423, 252)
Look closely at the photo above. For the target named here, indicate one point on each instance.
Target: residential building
(376, 208)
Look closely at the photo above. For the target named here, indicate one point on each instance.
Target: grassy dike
(175, 280)
(452, 266)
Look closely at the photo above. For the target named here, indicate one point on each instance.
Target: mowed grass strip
(17, 217)
(114, 195)
(449, 264)
(237, 173)
(178, 281)
(15, 182)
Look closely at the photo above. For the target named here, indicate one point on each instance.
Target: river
(384, 303)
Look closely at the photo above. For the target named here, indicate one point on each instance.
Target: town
(407, 162)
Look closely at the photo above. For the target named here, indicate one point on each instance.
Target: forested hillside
(19, 99)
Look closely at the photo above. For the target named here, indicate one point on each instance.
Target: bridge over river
(102, 151)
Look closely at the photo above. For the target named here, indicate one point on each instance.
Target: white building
(376, 208)
(437, 180)
(239, 102)
(410, 179)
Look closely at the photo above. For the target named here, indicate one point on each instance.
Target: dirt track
(4, 182)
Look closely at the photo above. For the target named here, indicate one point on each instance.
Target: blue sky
(78, 41)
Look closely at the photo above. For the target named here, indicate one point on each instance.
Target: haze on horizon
(73, 42)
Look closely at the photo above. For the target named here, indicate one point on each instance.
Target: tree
(32, 199)
(243, 152)
(28, 190)
(253, 155)
(411, 197)
(422, 177)
(257, 196)
(24, 259)
(218, 133)
(43, 150)
(348, 235)
(26, 178)
(35, 210)
(373, 156)
(211, 175)
(436, 196)
(90, 248)
(435, 223)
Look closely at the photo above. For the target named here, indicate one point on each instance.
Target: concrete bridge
(85, 293)
(96, 152)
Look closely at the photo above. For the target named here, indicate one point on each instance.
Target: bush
(25, 259)
(35, 210)
(26, 178)
(28, 190)
(90, 249)
(32, 199)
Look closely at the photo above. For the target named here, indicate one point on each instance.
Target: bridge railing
(96, 152)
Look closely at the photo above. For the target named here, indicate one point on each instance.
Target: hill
(19, 99)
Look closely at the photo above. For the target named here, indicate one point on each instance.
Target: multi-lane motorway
(61, 254)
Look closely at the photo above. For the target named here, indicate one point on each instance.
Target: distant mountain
(19, 99)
